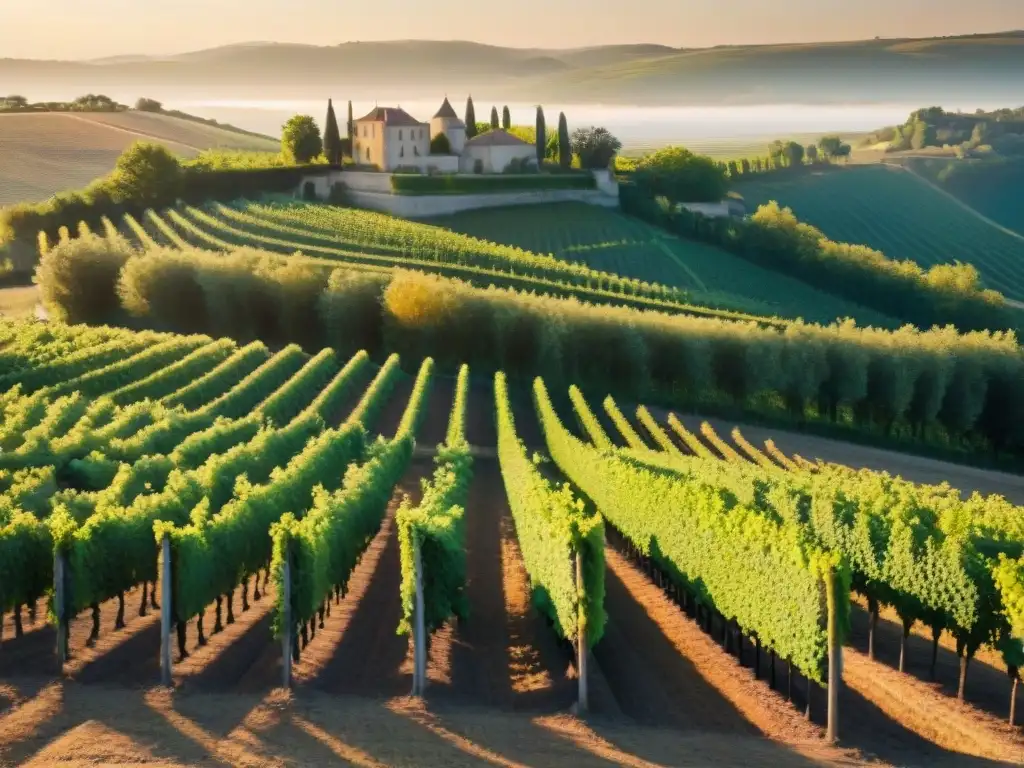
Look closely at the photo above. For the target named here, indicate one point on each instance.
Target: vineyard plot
(902, 216)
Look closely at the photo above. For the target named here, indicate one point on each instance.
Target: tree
(494, 117)
(351, 125)
(148, 105)
(831, 147)
(15, 102)
(596, 147)
(681, 176)
(541, 134)
(793, 154)
(564, 143)
(146, 173)
(300, 139)
(506, 118)
(923, 135)
(470, 120)
(332, 136)
(439, 145)
(811, 153)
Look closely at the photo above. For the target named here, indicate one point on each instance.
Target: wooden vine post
(419, 675)
(287, 624)
(835, 659)
(165, 610)
(60, 601)
(581, 636)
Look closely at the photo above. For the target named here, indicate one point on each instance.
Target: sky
(83, 29)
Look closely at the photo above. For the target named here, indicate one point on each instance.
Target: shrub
(681, 176)
(78, 278)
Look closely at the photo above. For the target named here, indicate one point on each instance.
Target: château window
(416, 151)
(401, 151)
(367, 153)
(399, 134)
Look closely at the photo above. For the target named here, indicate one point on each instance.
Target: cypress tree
(332, 138)
(542, 136)
(506, 118)
(470, 119)
(351, 127)
(564, 143)
(494, 117)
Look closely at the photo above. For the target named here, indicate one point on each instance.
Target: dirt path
(504, 655)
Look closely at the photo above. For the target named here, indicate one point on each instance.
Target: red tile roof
(389, 116)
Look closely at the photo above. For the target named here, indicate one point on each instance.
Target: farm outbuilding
(494, 151)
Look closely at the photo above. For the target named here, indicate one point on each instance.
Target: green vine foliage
(437, 524)
(552, 526)
(921, 549)
(181, 373)
(324, 546)
(215, 553)
(763, 572)
(633, 440)
(588, 420)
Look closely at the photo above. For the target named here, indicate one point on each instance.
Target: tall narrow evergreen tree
(506, 118)
(542, 136)
(332, 137)
(564, 143)
(351, 128)
(470, 119)
(494, 117)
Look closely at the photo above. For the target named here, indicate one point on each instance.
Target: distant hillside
(45, 153)
(970, 69)
(898, 213)
(993, 187)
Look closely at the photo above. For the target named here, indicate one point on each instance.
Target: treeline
(148, 175)
(89, 103)
(1001, 129)
(938, 386)
(775, 239)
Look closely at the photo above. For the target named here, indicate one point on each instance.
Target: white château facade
(390, 139)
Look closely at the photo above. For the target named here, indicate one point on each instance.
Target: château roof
(496, 137)
(447, 111)
(389, 116)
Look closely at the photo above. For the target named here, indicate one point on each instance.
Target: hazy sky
(74, 29)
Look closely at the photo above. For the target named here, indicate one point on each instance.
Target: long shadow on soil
(988, 686)
(368, 658)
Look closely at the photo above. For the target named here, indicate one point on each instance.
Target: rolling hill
(45, 153)
(969, 68)
(904, 216)
(994, 188)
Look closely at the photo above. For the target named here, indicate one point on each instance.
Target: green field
(995, 190)
(900, 214)
(596, 255)
(612, 242)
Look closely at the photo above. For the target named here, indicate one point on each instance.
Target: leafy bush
(77, 279)
(300, 139)
(681, 176)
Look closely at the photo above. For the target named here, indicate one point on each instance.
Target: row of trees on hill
(89, 103)
(1002, 130)
(962, 386)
